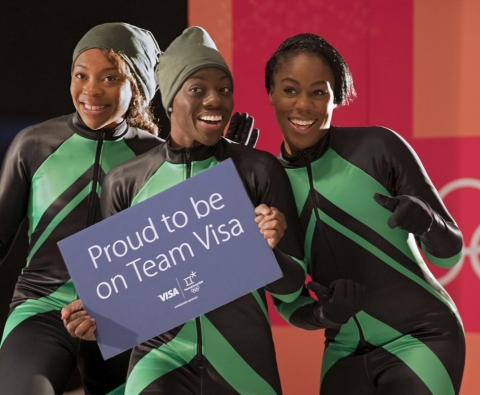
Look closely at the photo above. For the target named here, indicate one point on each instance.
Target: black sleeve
(300, 313)
(114, 197)
(443, 243)
(272, 188)
(14, 190)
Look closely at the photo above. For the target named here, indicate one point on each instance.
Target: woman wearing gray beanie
(230, 349)
(52, 174)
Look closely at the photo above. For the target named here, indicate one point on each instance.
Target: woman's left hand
(271, 222)
(241, 130)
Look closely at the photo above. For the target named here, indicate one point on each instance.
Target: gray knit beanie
(136, 46)
(188, 53)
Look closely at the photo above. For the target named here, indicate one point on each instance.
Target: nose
(303, 102)
(212, 99)
(92, 88)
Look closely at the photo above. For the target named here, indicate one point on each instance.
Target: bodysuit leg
(410, 369)
(37, 357)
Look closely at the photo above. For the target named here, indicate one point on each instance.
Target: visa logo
(168, 294)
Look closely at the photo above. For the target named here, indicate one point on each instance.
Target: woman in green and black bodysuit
(52, 173)
(366, 206)
(228, 350)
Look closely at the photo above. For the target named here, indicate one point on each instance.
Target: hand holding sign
(271, 222)
(77, 321)
(169, 259)
(79, 324)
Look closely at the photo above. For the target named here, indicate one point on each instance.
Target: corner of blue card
(169, 259)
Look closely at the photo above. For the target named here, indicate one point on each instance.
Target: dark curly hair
(139, 112)
(309, 43)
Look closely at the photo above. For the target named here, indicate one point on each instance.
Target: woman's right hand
(77, 322)
(338, 303)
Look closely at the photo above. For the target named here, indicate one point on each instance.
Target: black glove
(410, 214)
(338, 303)
(241, 130)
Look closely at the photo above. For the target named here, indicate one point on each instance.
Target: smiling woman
(204, 104)
(367, 207)
(228, 350)
(101, 93)
(52, 174)
(303, 99)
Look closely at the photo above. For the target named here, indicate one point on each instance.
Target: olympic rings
(473, 250)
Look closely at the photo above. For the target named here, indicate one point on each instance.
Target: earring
(170, 109)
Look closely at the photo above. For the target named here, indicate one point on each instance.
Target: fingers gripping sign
(410, 214)
(271, 222)
(77, 321)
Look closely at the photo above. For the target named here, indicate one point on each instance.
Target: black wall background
(37, 39)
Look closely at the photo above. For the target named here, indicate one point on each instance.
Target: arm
(332, 308)
(417, 207)
(75, 319)
(14, 191)
(415, 216)
(114, 197)
(275, 191)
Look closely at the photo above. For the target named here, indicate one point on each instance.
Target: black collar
(76, 123)
(194, 153)
(307, 155)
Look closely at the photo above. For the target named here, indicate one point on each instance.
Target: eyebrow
(288, 79)
(85, 67)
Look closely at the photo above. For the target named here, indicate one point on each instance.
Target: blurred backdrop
(415, 66)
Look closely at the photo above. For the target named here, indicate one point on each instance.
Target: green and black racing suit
(409, 336)
(230, 349)
(52, 173)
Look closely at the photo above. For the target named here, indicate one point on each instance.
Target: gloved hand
(338, 303)
(410, 214)
(241, 130)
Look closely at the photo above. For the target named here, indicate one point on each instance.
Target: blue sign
(169, 259)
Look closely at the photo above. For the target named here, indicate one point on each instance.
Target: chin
(211, 138)
(92, 124)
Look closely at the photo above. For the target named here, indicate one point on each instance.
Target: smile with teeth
(93, 108)
(300, 122)
(211, 118)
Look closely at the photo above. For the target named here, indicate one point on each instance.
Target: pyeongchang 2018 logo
(472, 250)
(190, 285)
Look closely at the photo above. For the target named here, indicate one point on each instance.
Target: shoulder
(250, 158)
(372, 139)
(260, 171)
(364, 132)
(142, 163)
(44, 130)
(141, 134)
(141, 141)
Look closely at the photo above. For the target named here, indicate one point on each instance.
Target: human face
(100, 93)
(302, 95)
(201, 109)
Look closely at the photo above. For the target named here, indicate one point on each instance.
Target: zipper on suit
(199, 356)
(362, 342)
(92, 204)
